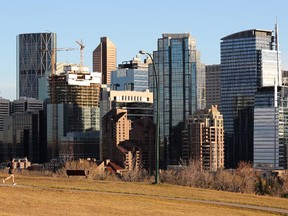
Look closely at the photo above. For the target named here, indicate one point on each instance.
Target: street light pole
(157, 143)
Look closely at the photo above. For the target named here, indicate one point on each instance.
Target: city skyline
(133, 28)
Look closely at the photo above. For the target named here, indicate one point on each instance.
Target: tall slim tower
(247, 63)
(34, 52)
(105, 59)
(176, 62)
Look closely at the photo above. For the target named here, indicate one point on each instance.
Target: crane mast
(82, 46)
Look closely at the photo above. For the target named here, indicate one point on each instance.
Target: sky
(132, 26)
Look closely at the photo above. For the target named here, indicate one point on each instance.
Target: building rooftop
(176, 35)
(248, 34)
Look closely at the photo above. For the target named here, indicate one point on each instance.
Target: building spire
(279, 80)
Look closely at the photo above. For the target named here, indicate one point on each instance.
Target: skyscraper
(270, 129)
(248, 61)
(105, 59)
(176, 62)
(34, 52)
(76, 107)
(213, 92)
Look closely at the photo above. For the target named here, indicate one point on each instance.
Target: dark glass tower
(34, 52)
(244, 68)
(176, 62)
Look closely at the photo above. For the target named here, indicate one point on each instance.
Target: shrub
(136, 174)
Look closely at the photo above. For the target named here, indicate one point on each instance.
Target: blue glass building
(176, 62)
(130, 76)
(271, 129)
(247, 63)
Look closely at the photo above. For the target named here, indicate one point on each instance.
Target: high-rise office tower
(176, 62)
(34, 53)
(248, 61)
(270, 129)
(105, 59)
(205, 141)
(75, 109)
(213, 92)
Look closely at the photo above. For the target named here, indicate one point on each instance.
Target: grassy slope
(51, 196)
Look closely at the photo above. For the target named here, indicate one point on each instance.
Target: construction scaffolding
(75, 88)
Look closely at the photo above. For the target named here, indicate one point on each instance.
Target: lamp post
(157, 143)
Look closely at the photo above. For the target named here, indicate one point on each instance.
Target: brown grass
(78, 196)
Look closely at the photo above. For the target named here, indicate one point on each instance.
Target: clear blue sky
(132, 26)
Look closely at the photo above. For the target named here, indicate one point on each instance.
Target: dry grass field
(77, 196)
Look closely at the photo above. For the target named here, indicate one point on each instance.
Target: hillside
(77, 196)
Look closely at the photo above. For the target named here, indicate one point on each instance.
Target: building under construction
(75, 87)
(74, 106)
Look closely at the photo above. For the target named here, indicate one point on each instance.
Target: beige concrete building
(204, 140)
(105, 59)
(124, 145)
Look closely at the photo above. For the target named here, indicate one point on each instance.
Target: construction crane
(53, 55)
(82, 46)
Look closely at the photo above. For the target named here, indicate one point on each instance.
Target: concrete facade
(205, 141)
(105, 59)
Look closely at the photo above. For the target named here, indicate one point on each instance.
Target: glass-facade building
(130, 76)
(176, 66)
(77, 145)
(271, 129)
(34, 55)
(213, 92)
(78, 122)
(129, 80)
(248, 61)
